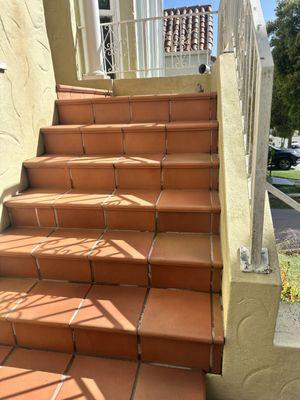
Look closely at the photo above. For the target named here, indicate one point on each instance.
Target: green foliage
(290, 276)
(290, 174)
(284, 34)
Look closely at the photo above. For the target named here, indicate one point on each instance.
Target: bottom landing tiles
(98, 378)
(156, 382)
(32, 374)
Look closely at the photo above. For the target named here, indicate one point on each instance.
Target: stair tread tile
(104, 161)
(50, 303)
(82, 199)
(193, 125)
(218, 331)
(189, 160)
(140, 160)
(177, 315)
(11, 291)
(132, 199)
(35, 197)
(181, 249)
(111, 308)
(32, 374)
(21, 241)
(98, 378)
(123, 246)
(158, 382)
(187, 200)
(48, 161)
(65, 243)
(144, 126)
(62, 129)
(102, 128)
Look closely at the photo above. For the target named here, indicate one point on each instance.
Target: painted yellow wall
(27, 90)
(253, 368)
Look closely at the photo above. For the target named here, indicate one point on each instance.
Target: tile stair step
(148, 171)
(143, 138)
(60, 376)
(143, 210)
(137, 109)
(169, 260)
(175, 327)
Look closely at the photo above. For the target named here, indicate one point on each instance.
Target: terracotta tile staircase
(111, 270)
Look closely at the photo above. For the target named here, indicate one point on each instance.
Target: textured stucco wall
(174, 84)
(253, 368)
(27, 90)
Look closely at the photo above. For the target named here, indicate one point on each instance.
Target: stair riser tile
(63, 144)
(93, 178)
(44, 337)
(6, 333)
(112, 113)
(142, 178)
(23, 217)
(65, 269)
(46, 217)
(176, 352)
(103, 143)
(21, 267)
(80, 218)
(186, 178)
(43, 217)
(120, 273)
(131, 220)
(217, 352)
(145, 142)
(188, 142)
(216, 280)
(49, 178)
(76, 114)
(190, 110)
(106, 344)
(184, 222)
(150, 111)
(193, 278)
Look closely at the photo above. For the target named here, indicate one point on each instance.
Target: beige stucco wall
(27, 90)
(176, 84)
(253, 368)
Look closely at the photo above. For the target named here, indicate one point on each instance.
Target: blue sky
(268, 7)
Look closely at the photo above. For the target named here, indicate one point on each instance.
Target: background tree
(284, 34)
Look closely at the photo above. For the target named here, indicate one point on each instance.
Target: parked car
(283, 158)
(295, 145)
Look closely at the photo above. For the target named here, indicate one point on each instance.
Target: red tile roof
(186, 29)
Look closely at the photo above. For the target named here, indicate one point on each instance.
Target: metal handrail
(242, 31)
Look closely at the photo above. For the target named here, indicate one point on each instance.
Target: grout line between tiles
(63, 378)
(7, 356)
(135, 381)
(139, 349)
(37, 217)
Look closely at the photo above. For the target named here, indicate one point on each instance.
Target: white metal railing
(136, 48)
(242, 31)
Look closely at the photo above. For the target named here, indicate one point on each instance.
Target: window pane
(104, 4)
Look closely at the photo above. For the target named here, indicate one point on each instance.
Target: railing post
(91, 37)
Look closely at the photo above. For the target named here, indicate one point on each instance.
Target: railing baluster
(254, 66)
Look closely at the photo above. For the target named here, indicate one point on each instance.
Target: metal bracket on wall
(3, 67)
(245, 264)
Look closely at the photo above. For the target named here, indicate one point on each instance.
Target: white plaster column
(91, 37)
